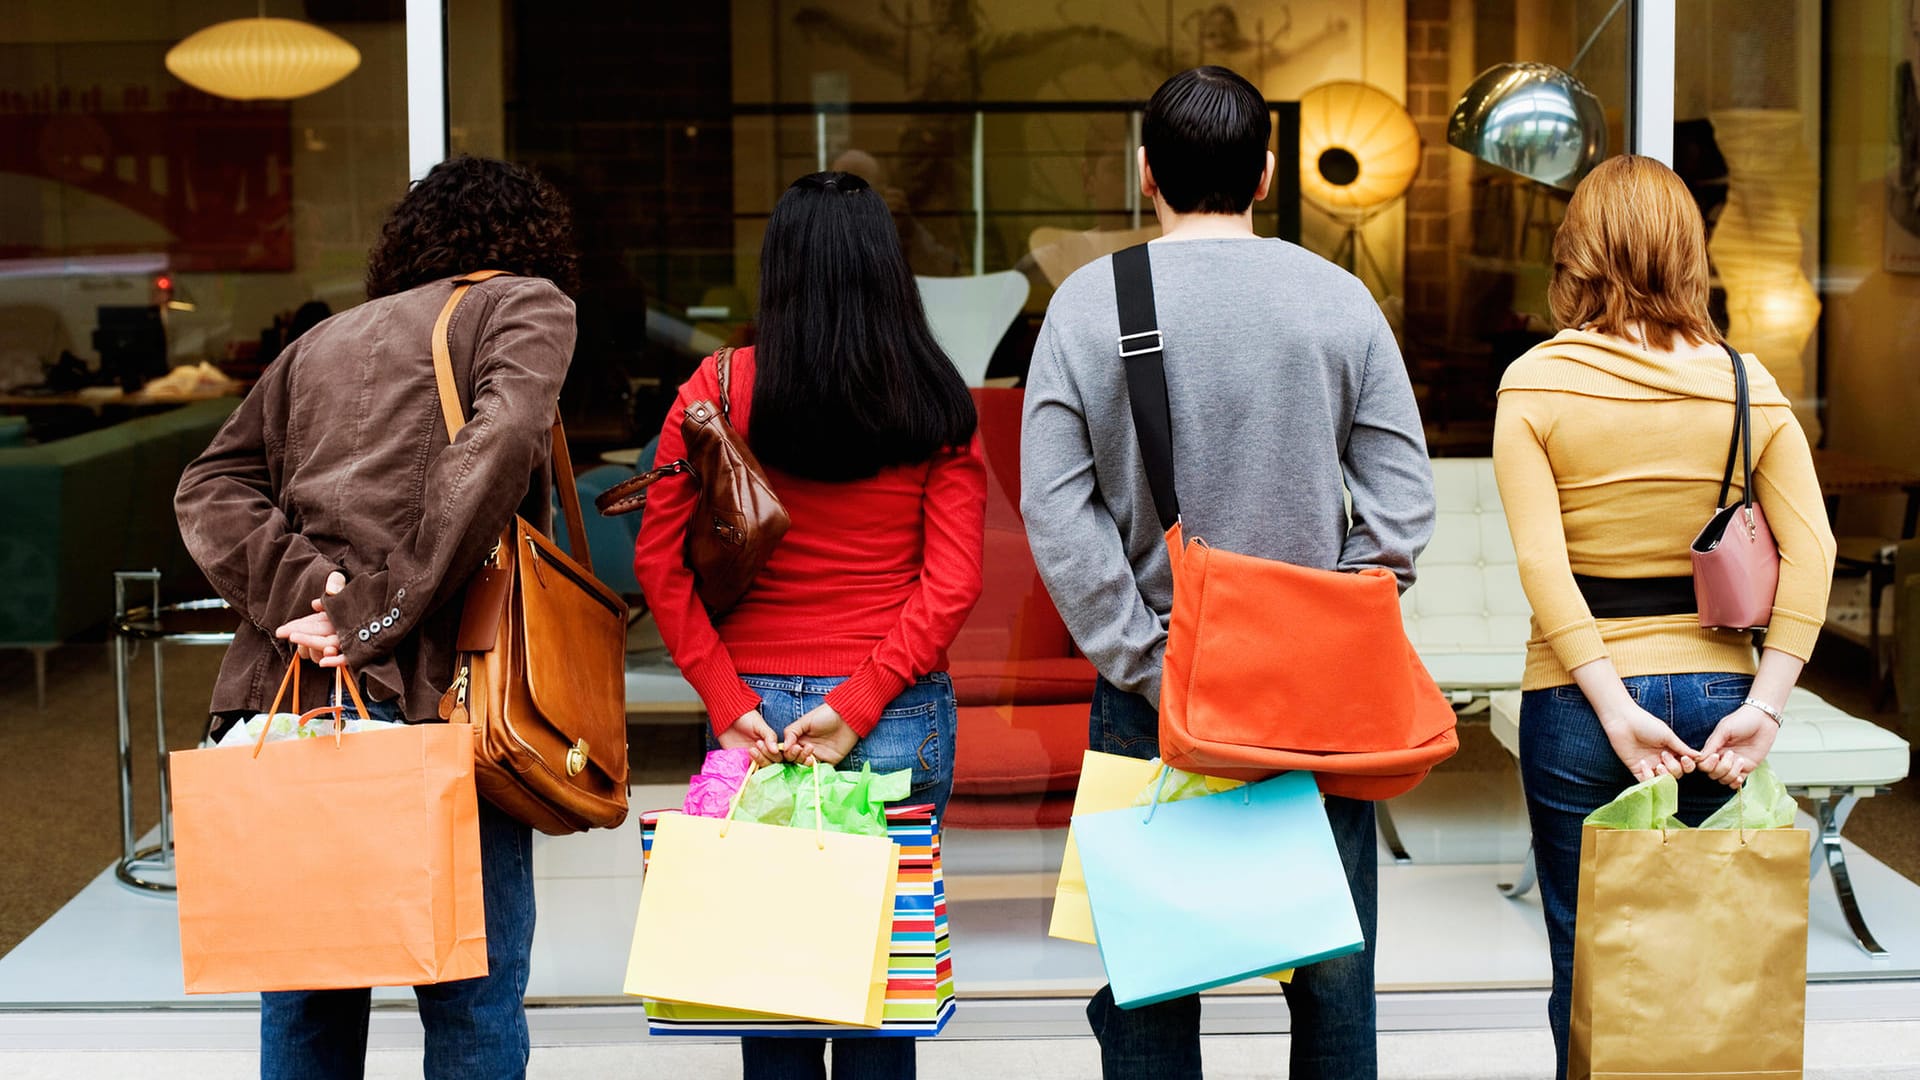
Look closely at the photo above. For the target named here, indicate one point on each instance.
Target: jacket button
(363, 635)
(395, 613)
(386, 622)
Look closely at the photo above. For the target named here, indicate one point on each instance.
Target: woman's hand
(313, 636)
(1738, 745)
(1646, 746)
(751, 733)
(820, 736)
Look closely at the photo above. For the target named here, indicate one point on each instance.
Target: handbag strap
(723, 367)
(1742, 442)
(455, 416)
(1142, 351)
(631, 494)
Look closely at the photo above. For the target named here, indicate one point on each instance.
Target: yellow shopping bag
(1107, 782)
(700, 937)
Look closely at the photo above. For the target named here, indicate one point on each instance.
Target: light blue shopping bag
(1204, 892)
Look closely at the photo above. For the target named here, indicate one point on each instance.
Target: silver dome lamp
(1534, 119)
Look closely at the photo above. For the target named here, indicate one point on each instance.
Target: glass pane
(158, 247)
(1799, 132)
(1003, 136)
(1478, 238)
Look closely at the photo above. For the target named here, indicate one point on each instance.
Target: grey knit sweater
(1288, 396)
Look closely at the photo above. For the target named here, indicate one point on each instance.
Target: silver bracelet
(1778, 717)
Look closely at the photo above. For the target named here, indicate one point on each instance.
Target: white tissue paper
(288, 726)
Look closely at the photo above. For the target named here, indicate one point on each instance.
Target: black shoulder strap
(1140, 350)
(1742, 442)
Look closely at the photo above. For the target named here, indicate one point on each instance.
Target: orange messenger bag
(1270, 666)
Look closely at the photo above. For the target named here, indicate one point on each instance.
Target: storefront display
(1428, 146)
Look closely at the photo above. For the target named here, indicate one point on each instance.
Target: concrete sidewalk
(1835, 1051)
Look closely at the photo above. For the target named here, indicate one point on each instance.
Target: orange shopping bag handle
(292, 677)
(819, 809)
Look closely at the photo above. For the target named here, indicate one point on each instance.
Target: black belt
(1632, 598)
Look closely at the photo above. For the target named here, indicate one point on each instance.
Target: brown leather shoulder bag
(737, 521)
(542, 657)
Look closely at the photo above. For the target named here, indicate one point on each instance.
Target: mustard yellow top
(1609, 460)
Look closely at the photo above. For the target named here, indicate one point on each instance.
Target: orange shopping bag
(329, 863)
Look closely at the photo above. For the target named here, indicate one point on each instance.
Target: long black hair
(848, 379)
(474, 213)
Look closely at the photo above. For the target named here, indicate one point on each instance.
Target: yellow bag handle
(819, 809)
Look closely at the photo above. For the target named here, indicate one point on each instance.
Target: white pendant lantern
(262, 59)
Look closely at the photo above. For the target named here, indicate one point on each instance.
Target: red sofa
(1023, 691)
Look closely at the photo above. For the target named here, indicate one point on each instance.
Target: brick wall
(1429, 99)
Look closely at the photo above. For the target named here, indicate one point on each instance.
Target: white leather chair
(1823, 754)
(970, 315)
(1466, 614)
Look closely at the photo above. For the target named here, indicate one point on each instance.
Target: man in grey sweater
(1288, 396)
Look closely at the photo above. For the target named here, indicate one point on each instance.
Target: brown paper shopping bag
(330, 863)
(1690, 955)
(701, 936)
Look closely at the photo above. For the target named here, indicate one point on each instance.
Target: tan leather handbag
(738, 520)
(542, 657)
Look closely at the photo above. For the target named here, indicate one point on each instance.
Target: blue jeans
(1570, 770)
(1331, 1001)
(476, 1028)
(916, 731)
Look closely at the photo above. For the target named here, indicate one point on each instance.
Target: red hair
(1631, 257)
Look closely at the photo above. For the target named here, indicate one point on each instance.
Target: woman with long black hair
(837, 653)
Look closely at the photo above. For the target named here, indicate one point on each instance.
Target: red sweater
(871, 581)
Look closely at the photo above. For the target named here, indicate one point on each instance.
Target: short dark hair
(474, 213)
(1206, 132)
(848, 378)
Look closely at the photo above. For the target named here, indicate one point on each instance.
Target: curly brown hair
(474, 213)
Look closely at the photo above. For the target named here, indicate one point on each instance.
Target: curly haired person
(334, 515)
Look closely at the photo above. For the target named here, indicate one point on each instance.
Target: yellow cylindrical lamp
(1772, 308)
(262, 59)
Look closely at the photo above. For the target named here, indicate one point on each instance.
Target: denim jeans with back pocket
(915, 732)
(1570, 770)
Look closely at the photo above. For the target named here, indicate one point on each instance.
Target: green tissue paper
(845, 802)
(1761, 803)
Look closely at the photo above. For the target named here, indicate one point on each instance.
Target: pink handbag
(1736, 564)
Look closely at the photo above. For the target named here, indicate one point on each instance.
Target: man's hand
(313, 636)
(752, 734)
(820, 736)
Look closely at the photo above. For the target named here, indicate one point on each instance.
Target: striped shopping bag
(919, 963)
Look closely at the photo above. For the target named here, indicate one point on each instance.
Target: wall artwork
(1903, 174)
(145, 165)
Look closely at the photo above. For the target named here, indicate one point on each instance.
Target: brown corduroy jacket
(338, 459)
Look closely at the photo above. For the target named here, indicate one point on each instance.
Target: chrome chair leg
(1391, 833)
(1523, 884)
(147, 870)
(1832, 815)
